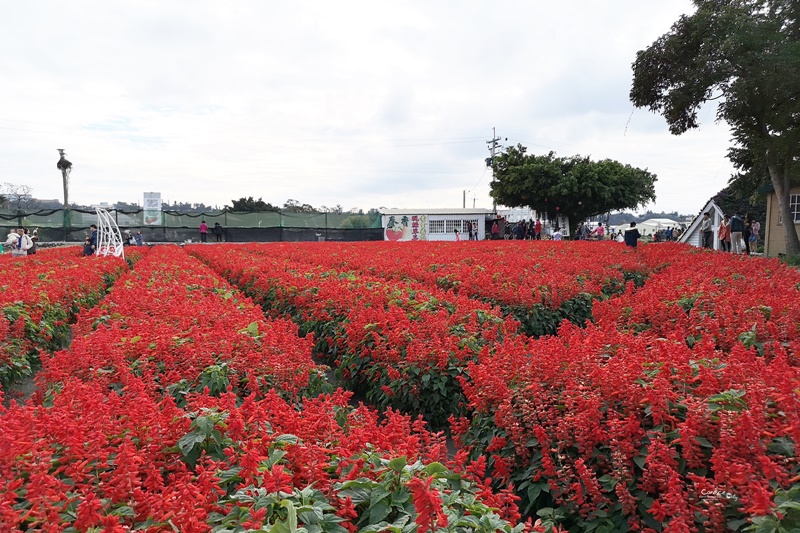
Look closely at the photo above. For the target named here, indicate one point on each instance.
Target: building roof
(429, 211)
(693, 235)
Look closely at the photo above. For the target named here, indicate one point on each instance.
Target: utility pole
(493, 147)
(464, 199)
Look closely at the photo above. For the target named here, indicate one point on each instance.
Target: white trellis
(109, 239)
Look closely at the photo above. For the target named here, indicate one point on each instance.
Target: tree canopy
(573, 186)
(745, 55)
(252, 206)
(17, 196)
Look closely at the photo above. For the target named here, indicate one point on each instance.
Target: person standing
(537, 230)
(139, 238)
(748, 222)
(469, 230)
(88, 250)
(755, 229)
(93, 237)
(203, 231)
(707, 232)
(632, 236)
(217, 232)
(724, 234)
(737, 228)
(35, 240)
(495, 231)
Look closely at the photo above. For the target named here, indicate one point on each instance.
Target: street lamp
(65, 167)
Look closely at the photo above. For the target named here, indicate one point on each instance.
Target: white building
(433, 224)
(694, 236)
(516, 214)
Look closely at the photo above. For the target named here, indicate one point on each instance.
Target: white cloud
(355, 103)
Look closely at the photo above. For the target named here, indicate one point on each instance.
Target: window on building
(452, 225)
(436, 226)
(794, 207)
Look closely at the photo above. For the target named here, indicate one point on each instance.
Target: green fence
(175, 226)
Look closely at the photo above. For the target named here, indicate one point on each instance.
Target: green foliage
(539, 319)
(357, 222)
(50, 333)
(744, 55)
(573, 186)
(385, 503)
(791, 260)
(378, 493)
(204, 436)
(251, 206)
(784, 518)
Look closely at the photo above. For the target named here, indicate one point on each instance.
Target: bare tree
(18, 197)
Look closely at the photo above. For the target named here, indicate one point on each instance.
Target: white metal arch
(109, 239)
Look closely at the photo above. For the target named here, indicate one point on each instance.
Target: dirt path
(20, 392)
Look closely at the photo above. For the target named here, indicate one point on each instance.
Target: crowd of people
(531, 230)
(585, 232)
(22, 242)
(735, 234)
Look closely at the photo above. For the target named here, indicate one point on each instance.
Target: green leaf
(286, 438)
(435, 468)
(378, 512)
(704, 442)
(398, 464)
(188, 442)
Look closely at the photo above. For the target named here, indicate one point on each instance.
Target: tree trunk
(782, 185)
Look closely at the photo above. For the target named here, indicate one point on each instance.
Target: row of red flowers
(539, 284)
(678, 412)
(399, 342)
(39, 296)
(162, 417)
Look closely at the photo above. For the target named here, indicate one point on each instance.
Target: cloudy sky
(358, 103)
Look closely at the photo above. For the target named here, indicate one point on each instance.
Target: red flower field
(586, 387)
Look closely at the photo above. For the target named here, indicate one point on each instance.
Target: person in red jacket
(724, 234)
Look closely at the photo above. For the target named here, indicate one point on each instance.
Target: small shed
(693, 235)
(433, 224)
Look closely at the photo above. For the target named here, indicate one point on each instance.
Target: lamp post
(65, 167)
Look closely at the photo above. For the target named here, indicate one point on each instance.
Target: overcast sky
(358, 103)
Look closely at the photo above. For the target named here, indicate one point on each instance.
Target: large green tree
(745, 55)
(573, 186)
(250, 205)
